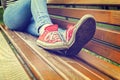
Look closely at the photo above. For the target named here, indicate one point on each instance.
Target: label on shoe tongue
(52, 28)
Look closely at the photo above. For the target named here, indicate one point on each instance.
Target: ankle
(41, 30)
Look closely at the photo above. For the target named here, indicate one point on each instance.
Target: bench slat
(105, 16)
(104, 50)
(83, 67)
(101, 65)
(90, 2)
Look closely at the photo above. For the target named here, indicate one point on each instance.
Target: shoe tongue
(52, 28)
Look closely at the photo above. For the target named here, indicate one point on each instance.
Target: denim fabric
(27, 15)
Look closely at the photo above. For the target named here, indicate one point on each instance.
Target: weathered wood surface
(59, 66)
(104, 16)
(38, 66)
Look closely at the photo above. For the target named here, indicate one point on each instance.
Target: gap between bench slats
(107, 35)
(107, 68)
(105, 16)
(104, 50)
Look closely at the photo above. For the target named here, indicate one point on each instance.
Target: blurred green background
(1, 15)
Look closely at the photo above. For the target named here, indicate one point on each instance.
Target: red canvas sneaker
(69, 32)
(51, 39)
(79, 34)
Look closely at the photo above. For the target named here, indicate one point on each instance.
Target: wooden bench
(98, 60)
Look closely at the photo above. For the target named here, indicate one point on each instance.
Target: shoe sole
(55, 46)
(82, 34)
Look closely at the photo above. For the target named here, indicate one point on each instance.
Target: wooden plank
(108, 35)
(105, 16)
(36, 64)
(10, 67)
(107, 68)
(85, 69)
(104, 50)
(90, 2)
(65, 64)
(101, 33)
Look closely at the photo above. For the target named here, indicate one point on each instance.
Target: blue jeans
(27, 15)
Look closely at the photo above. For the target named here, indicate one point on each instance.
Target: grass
(1, 15)
(112, 27)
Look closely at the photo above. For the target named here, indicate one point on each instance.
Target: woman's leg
(17, 16)
(40, 17)
(40, 13)
(31, 28)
